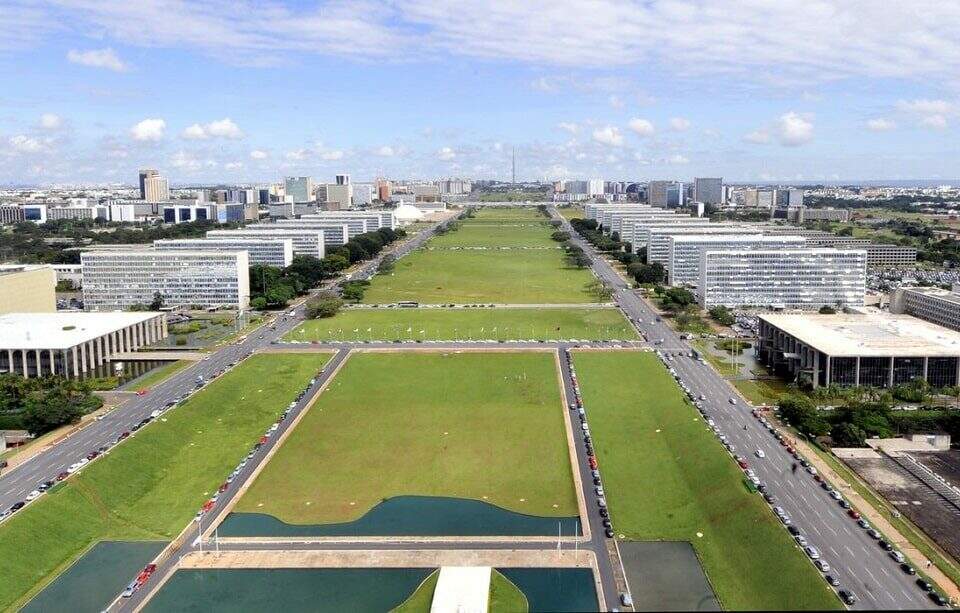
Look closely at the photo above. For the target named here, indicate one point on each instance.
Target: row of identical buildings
(750, 265)
(213, 272)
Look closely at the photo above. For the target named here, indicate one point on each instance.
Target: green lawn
(421, 599)
(465, 277)
(485, 426)
(502, 234)
(513, 213)
(460, 323)
(761, 391)
(668, 478)
(159, 374)
(150, 486)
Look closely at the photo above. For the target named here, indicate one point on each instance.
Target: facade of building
(120, 280)
(306, 241)
(656, 236)
(933, 304)
(683, 263)
(156, 189)
(334, 234)
(875, 349)
(340, 194)
(708, 190)
(783, 278)
(269, 252)
(27, 289)
(299, 189)
(11, 214)
(183, 213)
(73, 345)
(146, 173)
(665, 194)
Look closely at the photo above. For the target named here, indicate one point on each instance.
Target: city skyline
(217, 92)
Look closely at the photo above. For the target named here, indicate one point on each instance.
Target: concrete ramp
(462, 589)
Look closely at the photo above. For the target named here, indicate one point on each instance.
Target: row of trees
(273, 288)
(41, 404)
(588, 229)
(30, 243)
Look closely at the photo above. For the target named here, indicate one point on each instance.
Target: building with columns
(73, 344)
(869, 348)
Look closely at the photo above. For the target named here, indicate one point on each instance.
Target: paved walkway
(384, 558)
(169, 356)
(462, 589)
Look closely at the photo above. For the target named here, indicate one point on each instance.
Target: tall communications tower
(513, 167)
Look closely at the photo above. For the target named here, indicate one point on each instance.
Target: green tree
(560, 236)
(848, 435)
(827, 310)
(722, 315)
(325, 304)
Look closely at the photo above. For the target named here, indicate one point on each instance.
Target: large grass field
(668, 478)
(486, 426)
(150, 486)
(600, 323)
(513, 213)
(465, 277)
(511, 234)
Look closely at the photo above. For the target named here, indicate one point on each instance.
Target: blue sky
(230, 90)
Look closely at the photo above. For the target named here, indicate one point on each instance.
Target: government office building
(684, 251)
(870, 349)
(782, 278)
(269, 252)
(118, 280)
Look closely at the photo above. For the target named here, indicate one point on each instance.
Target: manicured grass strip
(759, 391)
(150, 486)
(501, 234)
(486, 426)
(467, 324)
(421, 599)
(505, 597)
(512, 213)
(667, 477)
(504, 277)
(157, 375)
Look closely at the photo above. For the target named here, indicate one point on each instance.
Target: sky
(251, 91)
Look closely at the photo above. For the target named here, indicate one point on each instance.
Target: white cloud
(332, 155)
(929, 113)
(615, 101)
(794, 129)
(642, 127)
(25, 144)
(677, 158)
(568, 126)
(758, 137)
(233, 166)
(97, 58)
(386, 151)
(257, 154)
(679, 124)
(49, 121)
(221, 128)
(297, 155)
(608, 135)
(148, 130)
(446, 154)
(880, 125)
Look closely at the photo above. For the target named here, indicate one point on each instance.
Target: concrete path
(462, 589)
(168, 356)
(390, 558)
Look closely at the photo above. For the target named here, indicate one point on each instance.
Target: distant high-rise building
(146, 173)
(665, 194)
(708, 190)
(155, 189)
(343, 180)
(383, 190)
(299, 188)
(789, 197)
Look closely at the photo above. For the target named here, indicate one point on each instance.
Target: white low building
(306, 241)
(194, 279)
(72, 345)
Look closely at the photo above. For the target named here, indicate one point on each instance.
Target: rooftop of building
(10, 269)
(943, 294)
(868, 334)
(62, 330)
(736, 238)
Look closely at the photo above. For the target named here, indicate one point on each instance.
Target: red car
(263, 440)
(743, 464)
(223, 488)
(853, 514)
(62, 476)
(593, 462)
(142, 392)
(207, 506)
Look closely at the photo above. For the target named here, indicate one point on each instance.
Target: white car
(812, 552)
(33, 495)
(760, 454)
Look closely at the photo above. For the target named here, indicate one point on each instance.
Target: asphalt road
(855, 559)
